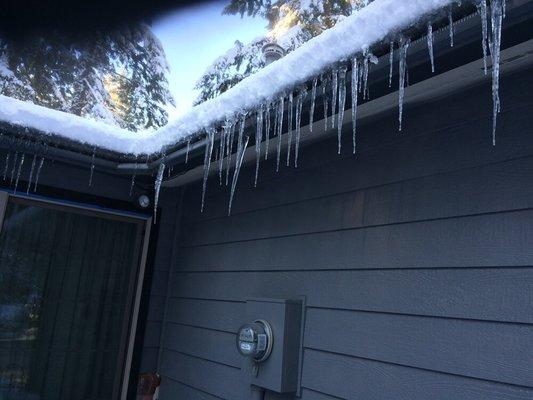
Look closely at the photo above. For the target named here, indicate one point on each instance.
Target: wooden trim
(135, 311)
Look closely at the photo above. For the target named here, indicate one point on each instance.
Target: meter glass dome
(255, 340)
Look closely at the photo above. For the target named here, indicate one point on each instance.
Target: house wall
(415, 258)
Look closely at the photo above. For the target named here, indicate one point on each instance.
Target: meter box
(270, 343)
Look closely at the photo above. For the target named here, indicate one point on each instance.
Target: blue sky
(193, 38)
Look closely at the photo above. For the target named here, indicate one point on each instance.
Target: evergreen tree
(291, 23)
(118, 77)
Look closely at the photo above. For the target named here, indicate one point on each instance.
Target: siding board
(203, 343)
(475, 241)
(355, 378)
(485, 350)
(217, 315)
(209, 377)
(493, 294)
(474, 191)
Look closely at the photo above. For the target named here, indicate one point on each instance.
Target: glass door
(69, 289)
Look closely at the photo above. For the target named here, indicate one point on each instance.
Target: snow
(365, 27)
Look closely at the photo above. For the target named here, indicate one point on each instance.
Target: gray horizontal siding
(357, 378)
(414, 257)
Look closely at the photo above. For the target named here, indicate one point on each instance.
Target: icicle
(361, 76)
(450, 22)
(325, 99)
(258, 140)
(299, 104)
(313, 99)
(334, 94)
(92, 170)
(404, 46)
(242, 144)
(41, 163)
(504, 8)
(482, 9)
(342, 104)
(132, 184)
(32, 169)
(275, 108)
(221, 151)
(18, 173)
(290, 127)
(187, 151)
(236, 173)
(209, 143)
(267, 130)
(496, 20)
(281, 107)
(354, 84)
(157, 187)
(366, 68)
(430, 46)
(229, 150)
(15, 159)
(6, 166)
(391, 61)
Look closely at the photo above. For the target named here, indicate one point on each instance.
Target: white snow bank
(354, 34)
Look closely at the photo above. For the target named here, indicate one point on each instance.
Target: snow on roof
(353, 35)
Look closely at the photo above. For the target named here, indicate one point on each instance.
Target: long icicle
(187, 151)
(92, 169)
(133, 177)
(275, 109)
(41, 163)
(451, 27)
(404, 47)
(291, 127)
(482, 9)
(267, 130)
(6, 166)
(157, 187)
(221, 152)
(281, 107)
(366, 69)
(334, 94)
(342, 104)
(430, 46)
(32, 170)
(18, 172)
(242, 143)
(229, 150)
(209, 144)
(313, 99)
(258, 140)
(299, 104)
(355, 94)
(496, 19)
(323, 81)
(391, 62)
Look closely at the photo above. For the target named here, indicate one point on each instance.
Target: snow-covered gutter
(352, 36)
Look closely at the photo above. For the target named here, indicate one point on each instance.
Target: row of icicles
(270, 115)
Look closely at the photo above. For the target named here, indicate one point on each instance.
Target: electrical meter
(255, 340)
